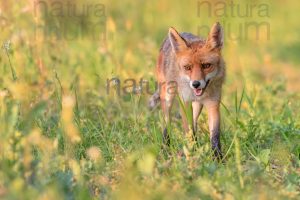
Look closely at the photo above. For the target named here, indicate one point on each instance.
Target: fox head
(199, 61)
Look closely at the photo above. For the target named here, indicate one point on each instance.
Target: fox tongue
(198, 92)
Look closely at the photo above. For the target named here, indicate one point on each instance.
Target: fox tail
(154, 100)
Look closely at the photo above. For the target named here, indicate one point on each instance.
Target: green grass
(63, 137)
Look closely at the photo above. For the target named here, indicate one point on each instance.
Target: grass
(62, 136)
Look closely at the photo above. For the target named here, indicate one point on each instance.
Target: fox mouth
(199, 91)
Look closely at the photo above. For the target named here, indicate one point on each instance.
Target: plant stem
(13, 72)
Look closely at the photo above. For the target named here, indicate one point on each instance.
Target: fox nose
(196, 84)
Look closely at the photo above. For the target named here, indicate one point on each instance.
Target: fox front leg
(213, 108)
(166, 98)
(197, 108)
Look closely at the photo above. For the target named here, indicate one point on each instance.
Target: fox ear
(215, 37)
(177, 42)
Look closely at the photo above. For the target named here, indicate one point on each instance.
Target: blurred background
(67, 133)
(123, 39)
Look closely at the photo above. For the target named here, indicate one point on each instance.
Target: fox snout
(195, 84)
(198, 86)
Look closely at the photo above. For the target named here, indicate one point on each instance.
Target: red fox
(198, 69)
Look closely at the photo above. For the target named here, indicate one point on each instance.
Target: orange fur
(198, 69)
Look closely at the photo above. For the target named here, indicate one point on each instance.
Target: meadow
(67, 132)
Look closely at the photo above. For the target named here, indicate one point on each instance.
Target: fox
(196, 69)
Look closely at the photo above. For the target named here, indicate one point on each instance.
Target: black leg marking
(216, 147)
(166, 137)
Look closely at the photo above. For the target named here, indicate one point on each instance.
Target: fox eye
(188, 67)
(206, 65)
